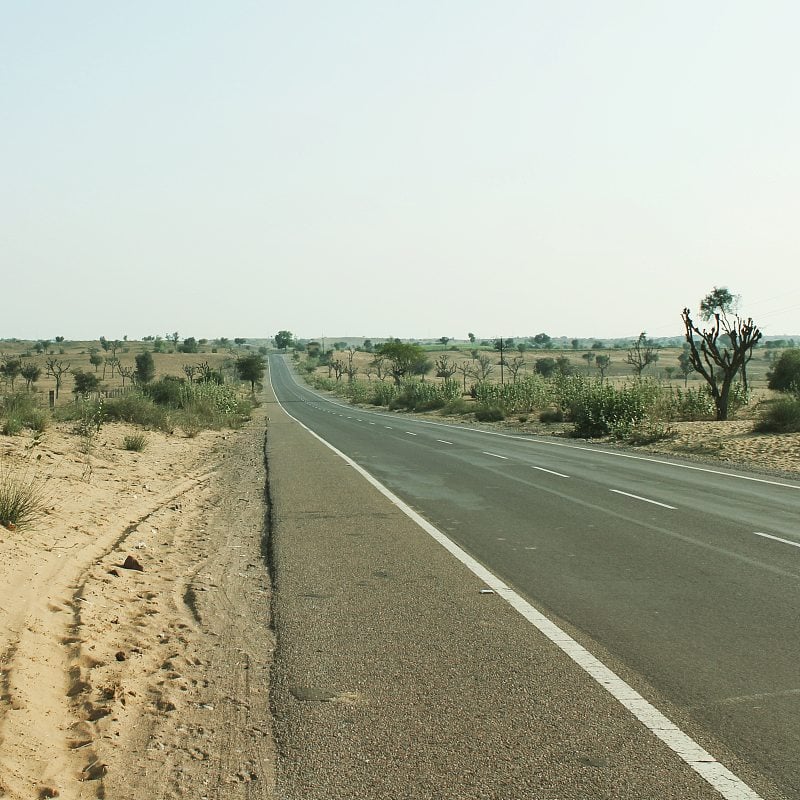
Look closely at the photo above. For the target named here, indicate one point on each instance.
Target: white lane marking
(596, 450)
(729, 785)
(777, 538)
(388, 427)
(408, 433)
(494, 455)
(552, 472)
(443, 441)
(373, 423)
(644, 499)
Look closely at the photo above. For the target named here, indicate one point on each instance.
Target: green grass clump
(490, 414)
(135, 442)
(23, 499)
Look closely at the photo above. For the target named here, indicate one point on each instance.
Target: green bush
(780, 416)
(551, 415)
(12, 426)
(382, 394)
(785, 373)
(457, 406)
(138, 409)
(603, 409)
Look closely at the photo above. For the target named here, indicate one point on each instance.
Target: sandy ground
(118, 682)
(131, 683)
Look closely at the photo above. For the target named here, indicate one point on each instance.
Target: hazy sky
(410, 168)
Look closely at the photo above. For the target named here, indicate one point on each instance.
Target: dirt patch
(135, 638)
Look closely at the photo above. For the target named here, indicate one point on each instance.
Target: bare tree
(482, 368)
(125, 373)
(351, 369)
(113, 363)
(380, 363)
(514, 366)
(31, 372)
(190, 370)
(445, 368)
(465, 368)
(339, 368)
(56, 368)
(641, 353)
(724, 349)
(588, 357)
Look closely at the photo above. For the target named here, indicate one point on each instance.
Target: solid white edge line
(729, 785)
(777, 538)
(643, 499)
(552, 472)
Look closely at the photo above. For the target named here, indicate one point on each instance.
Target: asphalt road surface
(682, 578)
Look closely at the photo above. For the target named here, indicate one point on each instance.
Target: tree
(145, 368)
(190, 370)
(125, 373)
(189, 345)
(85, 383)
(379, 363)
(402, 357)
(11, 369)
(466, 369)
(546, 367)
(251, 368)
(785, 373)
(482, 368)
(514, 366)
(641, 353)
(422, 366)
(685, 365)
(95, 359)
(352, 367)
(31, 372)
(724, 349)
(239, 341)
(541, 340)
(588, 357)
(56, 368)
(602, 362)
(443, 340)
(718, 300)
(283, 340)
(471, 337)
(445, 368)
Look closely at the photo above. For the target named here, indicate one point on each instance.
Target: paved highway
(684, 579)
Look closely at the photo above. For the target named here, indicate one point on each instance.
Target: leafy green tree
(189, 345)
(546, 367)
(602, 362)
(402, 358)
(588, 357)
(31, 372)
(542, 340)
(251, 368)
(471, 337)
(11, 369)
(95, 359)
(145, 368)
(85, 384)
(718, 301)
(685, 365)
(443, 340)
(785, 373)
(283, 339)
(239, 341)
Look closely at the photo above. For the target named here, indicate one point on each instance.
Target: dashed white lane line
(777, 538)
(408, 433)
(494, 455)
(388, 427)
(552, 472)
(443, 441)
(725, 782)
(643, 499)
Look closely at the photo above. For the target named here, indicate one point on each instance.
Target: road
(683, 578)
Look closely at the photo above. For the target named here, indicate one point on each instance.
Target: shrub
(780, 416)
(551, 415)
(785, 374)
(457, 406)
(12, 426)
(23, 498)
(145, 367)
(604, 409)
(135, 441)
(490, 414)
(382, 394)
(139, 410)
